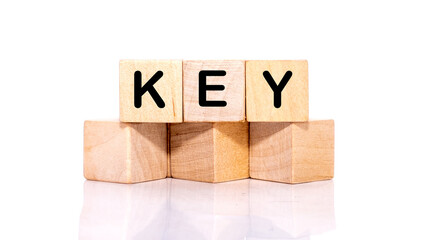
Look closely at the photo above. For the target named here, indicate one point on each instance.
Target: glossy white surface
(367, 71)
(179, 209)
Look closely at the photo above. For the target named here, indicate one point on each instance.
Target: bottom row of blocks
(209, 152)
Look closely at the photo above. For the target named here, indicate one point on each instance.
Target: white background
(367, 71)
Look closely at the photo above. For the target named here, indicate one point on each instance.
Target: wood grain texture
(169, 87)
(233, 94)
(169, 151)
(209, 152)
(260, 98)
(125, 152)
(292, 152)
(192, 151)
(231, 149)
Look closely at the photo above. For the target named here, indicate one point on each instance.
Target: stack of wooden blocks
(211, 121)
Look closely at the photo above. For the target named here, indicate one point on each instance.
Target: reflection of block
(281, 211)
(260, 98)
(292, 152)
(124, 152)
(117, 211)
(209, 152)
(233, 93)
(168, 86)
(208, 211)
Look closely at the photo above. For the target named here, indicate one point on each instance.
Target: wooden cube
(209, 152)
(198, 98)
(292, 152)
(168, 174)
(151, 91)
(125, 152)
(288, 103)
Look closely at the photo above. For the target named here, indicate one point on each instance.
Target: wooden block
(292, 100)
(283, 211)
(168, 86)
(125, 152)
(124, 211)
(292, 152)
(169, 151)
(209, 152)
(195, 109)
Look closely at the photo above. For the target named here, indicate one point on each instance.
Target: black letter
(277, 89)
(203, 88)
(148, 87)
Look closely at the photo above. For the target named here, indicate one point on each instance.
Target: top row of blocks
(213, 91)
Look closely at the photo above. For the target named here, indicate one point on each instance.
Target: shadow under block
(292, 152)
(168, 87)
(260, 105)
(233, 93)
(209, 152)
(125, 152)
